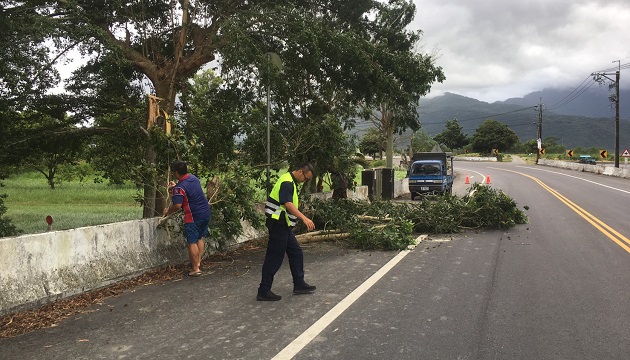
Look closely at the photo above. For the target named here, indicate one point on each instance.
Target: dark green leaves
(484, 208)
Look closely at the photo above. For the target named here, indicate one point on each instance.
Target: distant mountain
(593, 102)
(573, 128)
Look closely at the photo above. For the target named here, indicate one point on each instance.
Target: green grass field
(71, 204)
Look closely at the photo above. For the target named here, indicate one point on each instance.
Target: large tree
(373, 142)
(421, 142)
(337, 55)
(492, 134)
(26, 69)
(211, 118)
(408, 75)
(26, 73)
(169, 41)
(48, 137)
(452, 136)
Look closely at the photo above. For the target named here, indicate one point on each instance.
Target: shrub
(6, 227)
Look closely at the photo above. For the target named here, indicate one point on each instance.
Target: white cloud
(496, 49)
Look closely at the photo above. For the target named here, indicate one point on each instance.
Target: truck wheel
(413, 195)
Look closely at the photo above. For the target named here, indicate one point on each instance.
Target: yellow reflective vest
(274, 209)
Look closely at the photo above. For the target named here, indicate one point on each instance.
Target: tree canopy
(408, 75)
(337, 58)
(373, 142)
(492, 134)
(452, 136)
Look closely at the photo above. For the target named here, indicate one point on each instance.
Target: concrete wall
(38, 268)
(597, 169)
(360, 193)
(401, 187)
(472, 158)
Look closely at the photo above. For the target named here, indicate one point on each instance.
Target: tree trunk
(389, 151)
(388, 128)
(149, 184)
(155, 181)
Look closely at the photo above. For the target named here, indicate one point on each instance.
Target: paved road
(555, 288)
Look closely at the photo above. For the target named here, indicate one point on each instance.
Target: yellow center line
(611, 233)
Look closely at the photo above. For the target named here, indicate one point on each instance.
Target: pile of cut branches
(388, 225)
(364, 225)
(483, 207)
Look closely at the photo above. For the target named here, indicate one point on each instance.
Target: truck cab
(429, 173)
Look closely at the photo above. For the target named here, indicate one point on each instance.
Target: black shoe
(268, 296)
(303, 289)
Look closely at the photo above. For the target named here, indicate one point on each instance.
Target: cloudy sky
(492, 50)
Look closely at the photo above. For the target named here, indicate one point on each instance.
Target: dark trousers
(281, 241)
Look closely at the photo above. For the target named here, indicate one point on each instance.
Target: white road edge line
(307, 336)
(576, 177)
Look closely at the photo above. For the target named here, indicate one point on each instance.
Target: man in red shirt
(188, 195)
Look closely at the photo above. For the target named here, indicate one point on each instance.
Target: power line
(620, 67)
(581, 89)
(480, 118)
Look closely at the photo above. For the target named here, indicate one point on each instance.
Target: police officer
(282, 214)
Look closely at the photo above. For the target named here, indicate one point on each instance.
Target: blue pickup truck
(430, 172)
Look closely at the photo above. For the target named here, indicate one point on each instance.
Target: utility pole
(275, 60)
(617, 76)
(614, 98)
(268, 185)
(539, 108)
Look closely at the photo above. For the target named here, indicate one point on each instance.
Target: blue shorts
(196, 230)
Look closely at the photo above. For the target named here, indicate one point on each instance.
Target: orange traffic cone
(467, 179)
(488, 179)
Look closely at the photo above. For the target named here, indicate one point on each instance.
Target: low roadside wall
(472, 158)
(359, 193)
(401, 187)
(38, 268)
(597, 169)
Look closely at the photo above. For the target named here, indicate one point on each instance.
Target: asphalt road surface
(556, 288)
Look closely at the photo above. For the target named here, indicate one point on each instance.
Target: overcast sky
(492, 50)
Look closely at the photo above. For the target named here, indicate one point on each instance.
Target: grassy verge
(71, 204)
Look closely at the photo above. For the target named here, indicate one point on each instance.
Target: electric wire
(479, 118)
(573, 95)
(621, 66)
(582, 88)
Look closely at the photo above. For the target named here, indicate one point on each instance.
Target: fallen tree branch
(339, 236)
(316, 233)
(374, 218)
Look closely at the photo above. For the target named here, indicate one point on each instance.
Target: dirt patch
(518, 160)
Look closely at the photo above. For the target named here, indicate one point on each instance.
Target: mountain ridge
(571, 123)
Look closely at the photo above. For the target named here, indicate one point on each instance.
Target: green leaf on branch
(485, 207)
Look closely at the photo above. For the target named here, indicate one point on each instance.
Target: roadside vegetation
(390, 225)
(102, 120)
(72, 204)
